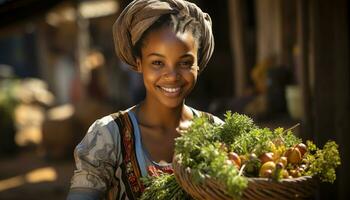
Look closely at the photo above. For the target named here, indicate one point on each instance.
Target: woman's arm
(96, 158)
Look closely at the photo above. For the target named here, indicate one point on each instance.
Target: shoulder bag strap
(131, 172)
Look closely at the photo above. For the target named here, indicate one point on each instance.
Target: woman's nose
(172, 74)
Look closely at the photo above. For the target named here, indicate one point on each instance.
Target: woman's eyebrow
(156, 54)
(187, 55)
(160, 55)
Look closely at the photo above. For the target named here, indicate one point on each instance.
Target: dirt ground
(29, 176)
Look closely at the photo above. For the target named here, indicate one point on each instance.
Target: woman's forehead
(165, 39)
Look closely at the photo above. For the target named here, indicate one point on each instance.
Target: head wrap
(139, 15)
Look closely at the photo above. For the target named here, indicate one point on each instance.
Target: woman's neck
(157, 115)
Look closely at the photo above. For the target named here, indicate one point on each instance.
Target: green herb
(259, 141)
(201, 133)
(200, 149)
(324, 161)
(163, 187)
(235, 126)
(205, 148)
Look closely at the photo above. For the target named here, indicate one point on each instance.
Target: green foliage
(324, 161)
(217, 166)
(201, 133)
(287, 137)
(201, 149)
(163, 187)
(204, 148)
(261, 140)
(235, 126)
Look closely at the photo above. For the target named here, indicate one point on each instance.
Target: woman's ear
(138, 65)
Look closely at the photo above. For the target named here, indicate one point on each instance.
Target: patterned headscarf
(139, 15)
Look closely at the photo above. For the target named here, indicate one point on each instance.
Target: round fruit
(283, 160)
(243, 158)
(266, 174)
(280, 165)
(294, 173)
(293, 155)
(303, 166)
(302, 148)
(270, 165)
(235, 158)
(300, 169)
(285, 173)
(265, 157)
(252, 156)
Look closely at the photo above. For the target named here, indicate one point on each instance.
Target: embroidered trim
(130, 168)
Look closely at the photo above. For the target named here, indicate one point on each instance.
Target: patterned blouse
(99, 156)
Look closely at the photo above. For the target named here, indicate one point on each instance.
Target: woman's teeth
(172, 90)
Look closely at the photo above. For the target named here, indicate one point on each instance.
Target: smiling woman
(169, 74)
(169, 42)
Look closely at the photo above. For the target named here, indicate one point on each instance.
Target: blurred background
(280, 62)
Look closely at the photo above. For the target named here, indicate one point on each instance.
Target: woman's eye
(186, 64)
(157, 63)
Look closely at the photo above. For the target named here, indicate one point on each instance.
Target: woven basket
(258, 188)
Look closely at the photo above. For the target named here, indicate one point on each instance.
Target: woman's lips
(170, 91)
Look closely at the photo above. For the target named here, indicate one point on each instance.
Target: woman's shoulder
(109, 121)
(104, 124)
(108, 125)
(103, 135)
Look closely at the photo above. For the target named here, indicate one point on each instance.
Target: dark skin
(158, 138)
(169, 76)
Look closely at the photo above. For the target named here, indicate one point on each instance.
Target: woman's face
(169, 66)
